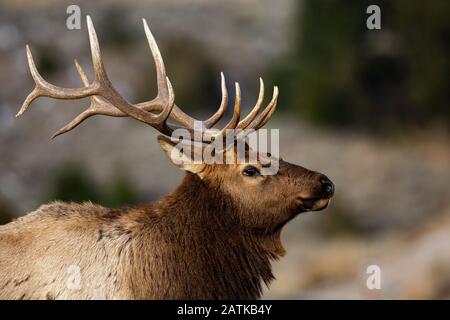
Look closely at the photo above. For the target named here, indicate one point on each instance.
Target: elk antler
(105, 100)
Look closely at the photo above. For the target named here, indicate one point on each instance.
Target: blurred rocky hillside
(392, 204)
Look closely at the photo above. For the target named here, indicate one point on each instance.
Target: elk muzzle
(320, 195)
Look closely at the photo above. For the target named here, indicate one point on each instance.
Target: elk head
(263, 202)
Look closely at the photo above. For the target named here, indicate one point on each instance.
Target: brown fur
(211, 238)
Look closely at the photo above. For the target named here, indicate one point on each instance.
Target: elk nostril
(327, 185)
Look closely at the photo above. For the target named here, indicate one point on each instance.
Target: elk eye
(250, 171)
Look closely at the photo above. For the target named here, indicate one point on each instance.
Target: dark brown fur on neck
(203, 252)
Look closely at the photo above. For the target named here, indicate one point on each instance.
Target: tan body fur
(142, 252)
(206, 240)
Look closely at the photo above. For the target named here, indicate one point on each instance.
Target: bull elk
(213, 237)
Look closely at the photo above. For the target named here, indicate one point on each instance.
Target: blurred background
(369, 108)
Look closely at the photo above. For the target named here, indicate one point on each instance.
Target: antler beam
(105, 100)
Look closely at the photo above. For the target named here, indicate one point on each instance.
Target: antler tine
(177, 114)
(237, 109)
(249, 118)
(97, 62)
(164, 115)
(109, 93)
(223, 105)
(45, 89)
(37, 79)
(272, 109)
(159, 62)
(82, 74)
(74, 123)
(264, 116)
(209, 133)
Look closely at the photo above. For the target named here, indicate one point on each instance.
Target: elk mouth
(313, 204)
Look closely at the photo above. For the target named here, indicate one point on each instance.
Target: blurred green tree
(6, 211)
(72, 182)
(341, 73)
(121, 192)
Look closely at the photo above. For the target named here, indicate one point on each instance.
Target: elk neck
(210, 254)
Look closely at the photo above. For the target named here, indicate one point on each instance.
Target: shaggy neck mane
(205, 253)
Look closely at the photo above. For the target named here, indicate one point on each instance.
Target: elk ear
(180, 156)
